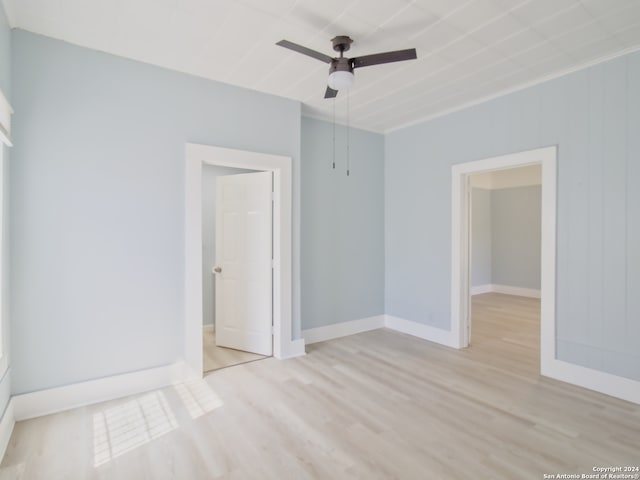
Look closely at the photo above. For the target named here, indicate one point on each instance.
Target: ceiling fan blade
(386, 57)
(305, 51)
(330, 93)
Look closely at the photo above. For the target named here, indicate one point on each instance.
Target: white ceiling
(468, 50)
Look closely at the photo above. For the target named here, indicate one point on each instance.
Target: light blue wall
(209, 175)
(342, 225)
(5, 53)
(594, 117)
(515, 229)
(98, 199)
(5, 86)
(480, 237)
(505, 237)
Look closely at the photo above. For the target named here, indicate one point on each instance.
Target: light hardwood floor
(215, 357)
(378, 405)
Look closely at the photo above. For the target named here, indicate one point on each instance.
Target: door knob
(217, 270)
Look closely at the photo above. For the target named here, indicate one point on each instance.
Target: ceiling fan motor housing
(341, 64)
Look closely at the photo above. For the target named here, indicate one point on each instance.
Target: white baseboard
(35, 404)
(596, 380)
(519, 291)
(6, 427)
(294, 349)
(506, 289)
(480, 289)
(53, 400)
(420, 330)
(337, 330)
(209, 327)
(602, 382)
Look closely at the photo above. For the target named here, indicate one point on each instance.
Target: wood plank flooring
(215, 357)
(378, 405)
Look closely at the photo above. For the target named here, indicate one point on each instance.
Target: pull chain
(348, 135)
(334, 133)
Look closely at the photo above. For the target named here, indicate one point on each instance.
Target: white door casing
(243, 272)
(550, 365)
(284, 346)
(460, 234)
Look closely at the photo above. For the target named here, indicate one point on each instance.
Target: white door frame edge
(550, 366)
(197, 156)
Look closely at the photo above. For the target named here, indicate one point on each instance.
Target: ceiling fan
(341, 68)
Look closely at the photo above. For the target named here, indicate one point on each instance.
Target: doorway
(217, 273)
(504, 260)
(461, 245)
(504, 236)
(196, 157)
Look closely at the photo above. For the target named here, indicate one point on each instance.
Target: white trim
(507, 91)
(5, 120)
(196, 157)
(4, 137)
(53, 400)
(6, 427)
(583, 377)
(5, 337)
(337, 330)
(517, 291)
(209, 327)
(421, 330)
(505, 289)
(548, 227)
(295, 348)
(480, 289)
(460, 213)
(596, 380)
(550, 366)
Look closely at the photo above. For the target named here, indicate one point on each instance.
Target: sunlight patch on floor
(198, 397)
(120, 429)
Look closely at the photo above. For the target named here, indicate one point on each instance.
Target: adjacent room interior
(505, 264)
(299, 239)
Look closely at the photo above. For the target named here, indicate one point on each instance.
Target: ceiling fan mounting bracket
(341, 43)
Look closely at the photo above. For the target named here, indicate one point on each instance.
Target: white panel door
(243, 282)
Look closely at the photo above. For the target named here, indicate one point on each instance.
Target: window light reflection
(120, 429)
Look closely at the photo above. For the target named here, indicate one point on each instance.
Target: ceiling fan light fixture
(340, 80)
